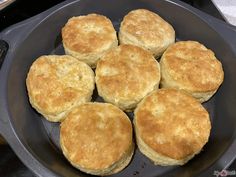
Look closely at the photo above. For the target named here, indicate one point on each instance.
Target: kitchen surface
(18, 10)
(228, 9)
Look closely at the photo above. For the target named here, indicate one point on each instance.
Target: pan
(36, 141)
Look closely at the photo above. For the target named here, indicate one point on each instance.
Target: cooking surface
(10, 165)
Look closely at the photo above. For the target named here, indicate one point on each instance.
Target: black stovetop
(22, 9)
(10, 165)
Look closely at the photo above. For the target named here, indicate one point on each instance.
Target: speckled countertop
(228, 9)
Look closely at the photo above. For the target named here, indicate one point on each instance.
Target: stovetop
(10, 165)
(23, 9)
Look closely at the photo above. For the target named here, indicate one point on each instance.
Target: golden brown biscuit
(88, 37)
(56, 84)
(171, 127)
(125, 75)
(97, 138)
(190, 66)
(146, 29)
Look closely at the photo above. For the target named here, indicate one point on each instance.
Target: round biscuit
(125, 75)
(171, 127)
(146, 29)
(56, 84)
(190, 66)
(96, 138)
(88, 37)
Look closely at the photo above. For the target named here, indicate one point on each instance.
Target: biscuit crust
(88, 37)
(97, 138)
(190, 66)
(56, 84)
(171, 126)
(146, 29)
(125, 75)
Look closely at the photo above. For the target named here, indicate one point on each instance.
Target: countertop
(228, 9)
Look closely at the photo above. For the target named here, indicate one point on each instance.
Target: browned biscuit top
(127, 72)
(96, 135)
(172, 123)
(193, 66)
(87, 34)
(55, 83)
(148, 27)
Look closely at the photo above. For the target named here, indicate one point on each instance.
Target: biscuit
(56, 84)
(146, 29)
(88, 37)
(96, 138)
(125, 75)
(190, 66)
(171, 127)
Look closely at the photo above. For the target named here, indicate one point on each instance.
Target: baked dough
(171, 127)
(125, 75)
(96, 138)
(56, 84)
(88, 37)
(146, 29)
(190, 66)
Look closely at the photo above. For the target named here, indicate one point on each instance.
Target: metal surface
(35, 141)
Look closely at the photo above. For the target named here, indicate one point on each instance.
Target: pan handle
(10, 38)
(16, 33)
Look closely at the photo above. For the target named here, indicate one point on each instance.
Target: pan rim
(13, 134)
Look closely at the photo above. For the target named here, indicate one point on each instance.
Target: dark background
(10, 165)
(22, 9)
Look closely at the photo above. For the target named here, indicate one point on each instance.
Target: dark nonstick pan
(35, 140)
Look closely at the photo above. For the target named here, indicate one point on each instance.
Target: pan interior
(41, 137)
